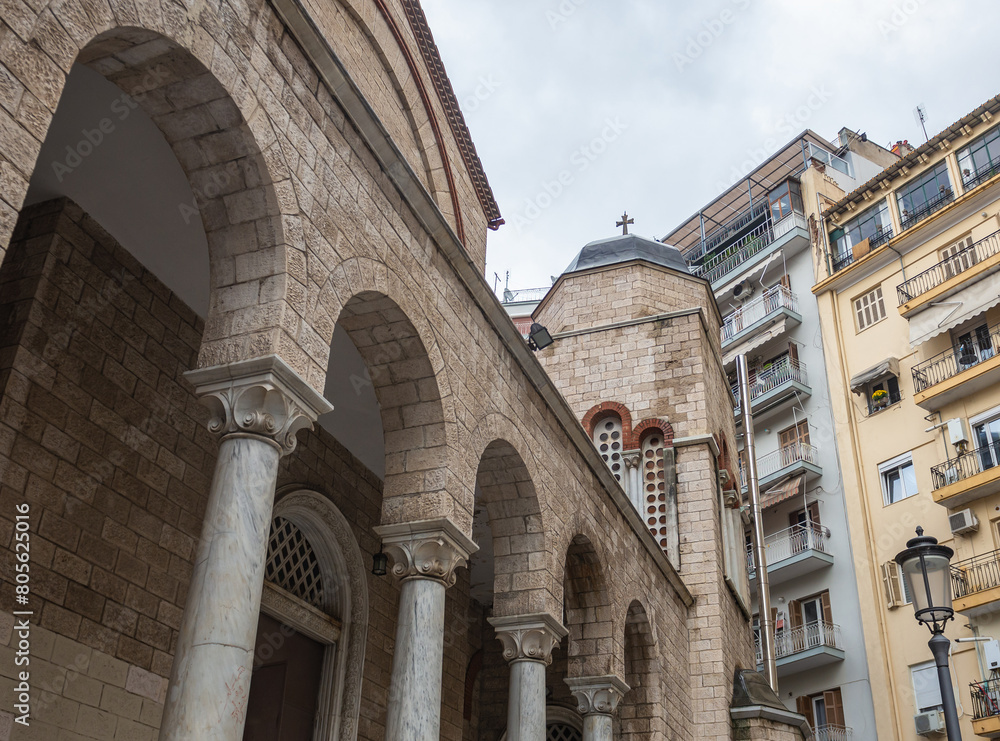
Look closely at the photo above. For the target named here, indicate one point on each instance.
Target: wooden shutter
(795, 434)
(955, 265)
(827, 612)
(795, 613)
(893, 589)
(793, 352)
(804, 706)
(834, 707)
(786, 281)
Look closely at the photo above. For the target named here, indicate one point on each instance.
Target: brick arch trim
(606, 409)
(653, 424)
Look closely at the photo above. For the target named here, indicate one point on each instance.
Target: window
(987, 437)
(958, 258)
(791, 442)
(899, 480)
(873, 224)
(784, 199)
(824, 710)
(924, 195)
(896, 591)
(926, 690)
(608, 439)
(972, 344)
(869, 309)
(980, 160)
(889, 386)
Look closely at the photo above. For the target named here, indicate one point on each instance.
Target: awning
(780, 492)
(755, 340)
(886, 367)
(951, 311)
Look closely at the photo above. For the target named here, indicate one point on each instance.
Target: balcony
(910, 219)
(775, 304)
(986, 172)
(969, 476)
(975, 584)
(972, 263)
(776, 385)
(833, 733)
(804, 648)
(958, 371)
(793, 552)
(750, 248)
(986, 708)
(839, 262)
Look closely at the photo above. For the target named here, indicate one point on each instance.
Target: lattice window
(608, 439)
(655, 489)
(562, 732)
(291, 563)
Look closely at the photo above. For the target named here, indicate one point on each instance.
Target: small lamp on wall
(380, 563)
(539, 337)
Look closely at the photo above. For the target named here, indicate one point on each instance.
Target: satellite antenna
(920, 114)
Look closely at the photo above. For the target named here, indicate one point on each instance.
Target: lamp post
(926, 567)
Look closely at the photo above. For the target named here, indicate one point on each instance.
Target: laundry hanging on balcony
(942, 315)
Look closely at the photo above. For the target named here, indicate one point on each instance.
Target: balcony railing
(773, 299)
(833, 733)
(839, 262)
(787, 456)
(985, 698)
(790, 542)
(975, 575)
(956, 359)
(982, 174)
(966, 465)
(729, 229)
(906, 220)
(948, 268)
(735, 254)
(779, 373)
(803, 638)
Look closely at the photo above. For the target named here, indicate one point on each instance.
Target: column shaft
(597, 727)
(414, 712)
(526, 702)
(210, 680)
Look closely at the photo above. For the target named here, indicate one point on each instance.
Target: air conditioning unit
(929, 724)
(991, 655)
(963, 521)
(743, 290)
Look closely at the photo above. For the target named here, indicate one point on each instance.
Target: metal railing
(833, 733)
(966, 465)
(982, 174)
(787, 456)
(525, 294)
(729, 229)
(906, 220)
(975, 574)
(772, 300)
(985, 698)
(790, 542)
(874, 407)
(839, 262)
(735, 254)
(803, 638)
(948, 268)
(780, 373)
(956, 359)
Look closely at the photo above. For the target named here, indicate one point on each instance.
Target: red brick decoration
(656, 425)
(606, 409)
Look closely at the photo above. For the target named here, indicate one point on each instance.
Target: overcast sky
(581, 109)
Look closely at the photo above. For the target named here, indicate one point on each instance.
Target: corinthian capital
(426, 549)
(597, 695)
(528, 637)
(261, 397)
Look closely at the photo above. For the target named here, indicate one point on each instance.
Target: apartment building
(753, 244)
(908, 305)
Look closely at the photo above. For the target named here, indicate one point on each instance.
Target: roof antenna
(508, 295)
(920, 114)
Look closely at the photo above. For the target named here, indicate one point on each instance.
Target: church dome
(626, 247)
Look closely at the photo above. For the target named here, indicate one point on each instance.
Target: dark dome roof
(625, 247)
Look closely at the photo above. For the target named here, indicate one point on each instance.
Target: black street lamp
(539, 337)
(926, 567)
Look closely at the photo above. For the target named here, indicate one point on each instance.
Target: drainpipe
(760, 561)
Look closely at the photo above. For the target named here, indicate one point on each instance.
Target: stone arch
(606, 408)
(641, 710)
(342, 566)
(651, 426)
(198, 99)
(593, 643)
(505, 488)
(416, 407)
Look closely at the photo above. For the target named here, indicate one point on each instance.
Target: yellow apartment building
(909, 303)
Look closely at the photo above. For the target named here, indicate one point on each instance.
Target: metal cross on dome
(625, 222)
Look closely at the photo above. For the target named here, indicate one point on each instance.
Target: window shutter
(893, 589)
(786, 281)
(795, 613)
(804, 706)
(834, 707)
(827, 612)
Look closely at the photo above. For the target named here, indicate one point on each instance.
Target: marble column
(527, 641)
(425, 555)
(597, 698)
(257, 407)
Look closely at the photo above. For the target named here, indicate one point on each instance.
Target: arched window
(561, 724)
(608, 439)
(660, 501)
